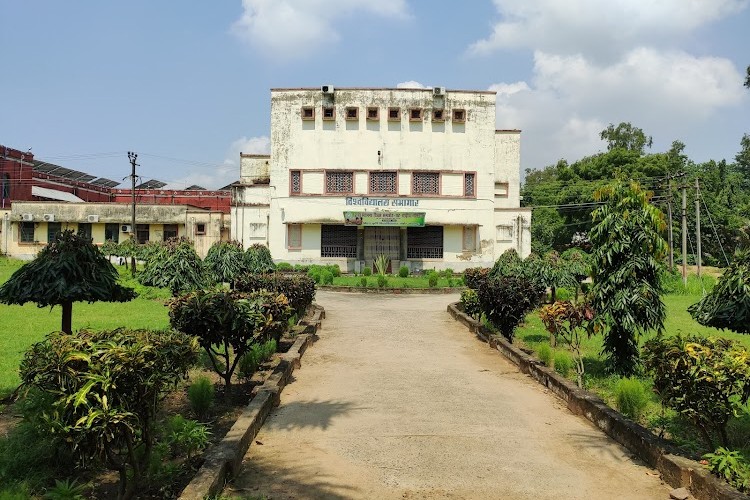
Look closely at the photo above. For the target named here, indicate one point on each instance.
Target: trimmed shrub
(174, 265)
(382, 281)
(448, 273)
(258, 259)
(326, 278)
(201, 395)
(631, 397)
(470, 303)
(403, 271)
(367, 271)
(563, 363)
(506, 300)
(475, 276)
(432, 279)
(363, 282)
(299, 289)
(225, 261)
(544, 352)
(706, 380)
(335, 270)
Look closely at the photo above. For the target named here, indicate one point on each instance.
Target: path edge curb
(224, 459)
(675, 470)
(392, 291)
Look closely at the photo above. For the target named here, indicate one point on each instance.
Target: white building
(420, 175)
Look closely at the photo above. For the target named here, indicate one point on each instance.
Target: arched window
(5, 187)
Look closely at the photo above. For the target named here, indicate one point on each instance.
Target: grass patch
(24, 325)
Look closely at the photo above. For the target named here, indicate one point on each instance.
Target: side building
(419, 175)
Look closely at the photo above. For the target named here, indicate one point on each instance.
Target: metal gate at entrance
(382, 241)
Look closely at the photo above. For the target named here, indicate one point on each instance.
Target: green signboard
(399, 219)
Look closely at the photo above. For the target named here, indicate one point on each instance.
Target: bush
(506, 300)
(563, 363)
(382, 281)
(258, 259)
(326, 277)
(728, 304)
(225, 261)
(432, 279)
(228, 323)
(174, 265)
(298, 288)
(730, 466)
(105, 388)
(631, 397)
(284, 266)
(470, 303)
(201, 395)
(251, 360)
(367, 271)
(544, 352)
(403, 271)
(706, 380)
(475, 276)
(363, 282)
(335, 270)
(448, 273)
(186, 436)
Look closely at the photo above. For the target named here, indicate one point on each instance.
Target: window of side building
(383, 183)
(52, 229)
(112, 232)
(470, 184)
(26, 230)
(425, 183)
(295, 182)
(294, 236)
(338, 241)
(141, 233)
(170, 231)
(84, 230)
(339, 182)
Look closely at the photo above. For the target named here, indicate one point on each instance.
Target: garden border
(225, 458)
(676, 470)
(392, 291)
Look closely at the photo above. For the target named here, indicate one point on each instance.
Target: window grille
(52, 229)
(27, 232)
(383, 182)
(296, 182)
(84, 230)
(424, 242)
(339, 182)
(141, 233)
(112, 232)
(426, 183)
(170, 231)
(469, 184)
(338, 241)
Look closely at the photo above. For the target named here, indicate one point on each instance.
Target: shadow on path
(307, 414)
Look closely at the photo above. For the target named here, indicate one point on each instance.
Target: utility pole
(698, 226)
(669, 228)
(684, 234)
(132, 157)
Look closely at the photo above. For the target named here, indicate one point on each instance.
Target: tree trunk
(553, 294)
(67, 317)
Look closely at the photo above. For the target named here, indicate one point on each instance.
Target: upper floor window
(459, 115)
(469, 184)
(329, 113)
(373, 113)
(438, 115)
(352, 113)
(383, 183)
(415, 114)
(394, 114)
(340, 182)
(425, 183)
(5, 191)
(295, 182)
(308, 113)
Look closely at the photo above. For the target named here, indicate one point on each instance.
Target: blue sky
(186, 85)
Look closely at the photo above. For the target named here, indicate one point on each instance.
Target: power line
(716, 233)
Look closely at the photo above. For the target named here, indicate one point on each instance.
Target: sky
(186, 84)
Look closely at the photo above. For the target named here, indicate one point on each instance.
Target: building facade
(419, 175)
(29, 226)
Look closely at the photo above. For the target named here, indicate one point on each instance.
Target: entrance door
(382, 241)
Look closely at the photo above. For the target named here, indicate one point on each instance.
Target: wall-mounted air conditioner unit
(126, 228)
(438, 91)
(327, 89)
(92, 218)
(49, 217)
(27, 217)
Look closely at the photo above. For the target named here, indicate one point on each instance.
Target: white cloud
(288, 29)
(411, 84)
(570, 99)
(600, 30)
(214, 177)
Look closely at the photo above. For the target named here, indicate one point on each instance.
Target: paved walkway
(397, 400)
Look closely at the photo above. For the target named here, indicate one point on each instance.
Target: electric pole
(684, 234)
(698, 226)
(132, 157)
(669, 228)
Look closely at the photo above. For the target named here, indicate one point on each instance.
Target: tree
(743, 157)
(626, 136)
(626, 292)
(225, 261)
(70, 269)
(747, 78)
(728, 304)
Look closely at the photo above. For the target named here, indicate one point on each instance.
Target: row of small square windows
(394, 114)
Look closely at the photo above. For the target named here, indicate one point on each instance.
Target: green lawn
(397, 282)
(21, 326)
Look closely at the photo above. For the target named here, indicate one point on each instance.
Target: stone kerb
(225, 458)
(392, 291)
(676, 470)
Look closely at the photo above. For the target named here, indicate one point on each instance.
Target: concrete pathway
(397, 400)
